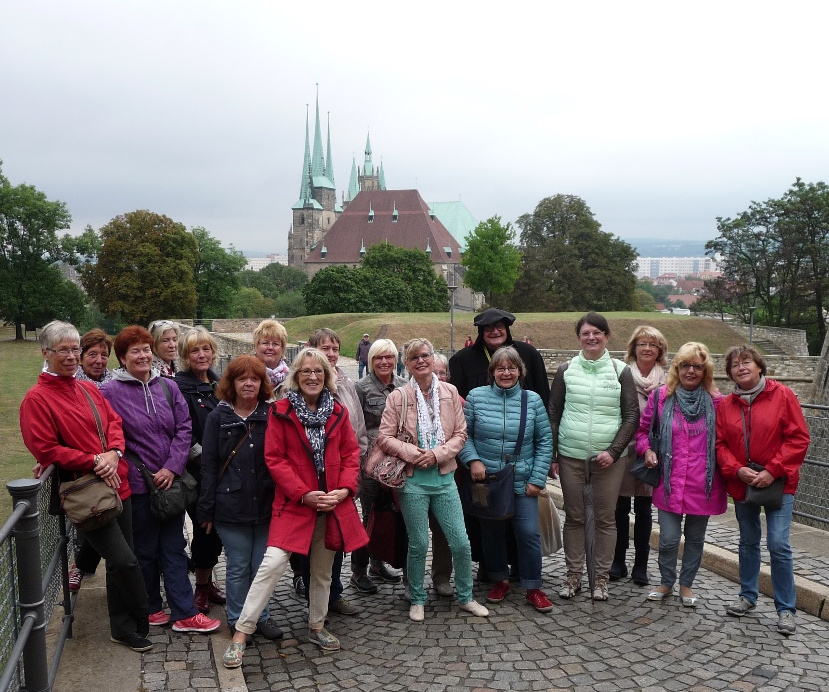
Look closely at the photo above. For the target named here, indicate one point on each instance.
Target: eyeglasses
(420, 356)
(696, 367)
(510, 370)
(308, 372)
(66, 352)
(499, 327)
(388, 357)
(744, 364)
(646, 344)
(162, 324)
(587, 335)
(271, 344)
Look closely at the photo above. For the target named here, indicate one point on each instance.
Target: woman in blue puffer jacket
(493, 420)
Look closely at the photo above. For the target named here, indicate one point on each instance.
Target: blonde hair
(693, 349)
(413, 345)
(190, 339)
(381, 347)
(645, 331)
(319, 358)
(270, 329)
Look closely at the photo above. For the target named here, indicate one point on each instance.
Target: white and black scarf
(314, 422)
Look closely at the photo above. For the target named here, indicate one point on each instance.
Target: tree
(29, 247)
(216, 274)
(492, 262)
(249, 302)
(280, 283)
(569, 263)
(335, 289)
(428, 292)
(144, 269)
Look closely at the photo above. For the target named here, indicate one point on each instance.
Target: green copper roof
(457, 219)
(317, 160)
(329, 162)
(381, 178)
(305, 181)
(368, 166)
(353, 185)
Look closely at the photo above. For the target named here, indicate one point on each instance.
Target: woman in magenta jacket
(691, 487)
(761, 422)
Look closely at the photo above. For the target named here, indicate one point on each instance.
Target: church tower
(371, 177)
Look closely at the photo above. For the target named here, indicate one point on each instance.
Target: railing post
(30, 590)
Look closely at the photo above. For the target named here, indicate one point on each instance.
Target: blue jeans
(159, 547)
(528, 538)
(244, 548)
(361, 370)
(670, 530)
(778, 523)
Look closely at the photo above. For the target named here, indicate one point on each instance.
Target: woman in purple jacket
(156, 424)
(691, 486)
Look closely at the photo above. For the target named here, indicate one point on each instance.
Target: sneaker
(199, 623)
(75, 578)
(159, 619)
(387, 574)
(363, 584)
(538, 600)
(572, 586)
(499, 592)
(134, 641)
(785, 622)
(299, 586)
(740, 607)
(475, 608)
(445, 589)
(343, 607)
(233, 655)
(324, 640)
(269, 629)
(416, 613)
(600, 590)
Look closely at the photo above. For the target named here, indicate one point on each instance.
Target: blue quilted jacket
(493, 416)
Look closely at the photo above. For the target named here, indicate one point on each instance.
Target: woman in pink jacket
(691, 486)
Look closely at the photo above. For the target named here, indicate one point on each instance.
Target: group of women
(277, 450)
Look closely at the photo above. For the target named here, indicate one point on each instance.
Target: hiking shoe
(75, 578)
(600, 590)
(740, 607)
(233, 655)
(476, 609)
(538, 600)
(444, 588)
(572, 586)
(343, 607)
(269, 629)
(785, 622)
(159, 619)
(215, 594)
(498, 592)
(363, 584)
(324, 640)
(138, 643)
(384, 572)
(299, 586)
(199, 623)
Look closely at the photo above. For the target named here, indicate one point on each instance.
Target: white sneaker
(476, 609)
(416, 613)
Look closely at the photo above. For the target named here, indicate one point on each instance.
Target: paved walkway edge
(230, 679)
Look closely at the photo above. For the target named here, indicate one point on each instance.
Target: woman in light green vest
(594, 413)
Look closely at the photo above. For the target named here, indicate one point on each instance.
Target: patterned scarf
(747, 395)
(278, 374)
(314, 422)
(695, 406)
(429, 429)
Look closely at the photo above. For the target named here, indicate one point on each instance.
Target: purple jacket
(157, 435)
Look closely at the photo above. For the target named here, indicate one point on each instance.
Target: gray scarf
(693, 406)
(747, 395)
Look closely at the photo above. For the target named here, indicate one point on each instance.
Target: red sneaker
(499, 592)
(538, 600)
(75, 578)
(199, 623)
(159, 619)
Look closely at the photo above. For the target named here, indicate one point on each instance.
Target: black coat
(243, 494)
(468, 367)
(200, 397)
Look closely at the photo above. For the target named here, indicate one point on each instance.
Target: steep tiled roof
(414, 228)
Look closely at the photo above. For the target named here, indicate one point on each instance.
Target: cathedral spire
(317, 161)
(368, 166)
(329, 162)
(353, 184)
(305, 181)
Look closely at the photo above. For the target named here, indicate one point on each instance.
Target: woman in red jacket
(312, 454)
(761, 423)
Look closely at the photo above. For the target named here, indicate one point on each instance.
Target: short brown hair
(238, 367)
(129, 336)
(735, 354)
(511, 356)
(94, 337)
(323, 334)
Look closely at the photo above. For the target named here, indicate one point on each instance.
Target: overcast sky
(660, 115)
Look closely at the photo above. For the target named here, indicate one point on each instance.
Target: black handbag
(494, 497)
(174, 501)
(770, 497)
(640, 470)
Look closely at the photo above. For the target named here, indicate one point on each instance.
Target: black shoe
(640, 576)
(618, 570)
(134, 641)
(299, 585)
(382, 571)
(269, 629)
(363, 584)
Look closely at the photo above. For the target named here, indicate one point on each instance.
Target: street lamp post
(452, 290)
(751, 310)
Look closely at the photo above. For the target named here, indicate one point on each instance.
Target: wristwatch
(118, 452)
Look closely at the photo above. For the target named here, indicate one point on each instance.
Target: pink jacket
(451, 418)
(687, 468)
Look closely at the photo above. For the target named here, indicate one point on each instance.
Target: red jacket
(779, 437)
(289, 459)
(59, 427)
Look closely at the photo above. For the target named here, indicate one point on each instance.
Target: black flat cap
(493, 315)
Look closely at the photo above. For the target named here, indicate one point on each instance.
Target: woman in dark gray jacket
(236, 488)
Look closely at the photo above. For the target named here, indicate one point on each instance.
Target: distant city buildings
(654, 267)
(257, 263)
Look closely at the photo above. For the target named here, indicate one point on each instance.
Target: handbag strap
(236, 449)
(101, 435)
(167, 394)
(522, 426)
(746, 435)
(402, 422)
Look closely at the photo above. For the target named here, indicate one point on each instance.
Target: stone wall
(792, 341)
(237, 326)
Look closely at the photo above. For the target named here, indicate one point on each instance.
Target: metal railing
(811, 502)
(34, 567)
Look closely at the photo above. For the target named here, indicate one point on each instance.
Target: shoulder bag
(494, 496)
(88, 501)
(641, 471)
(770, 497)
(388, 469)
